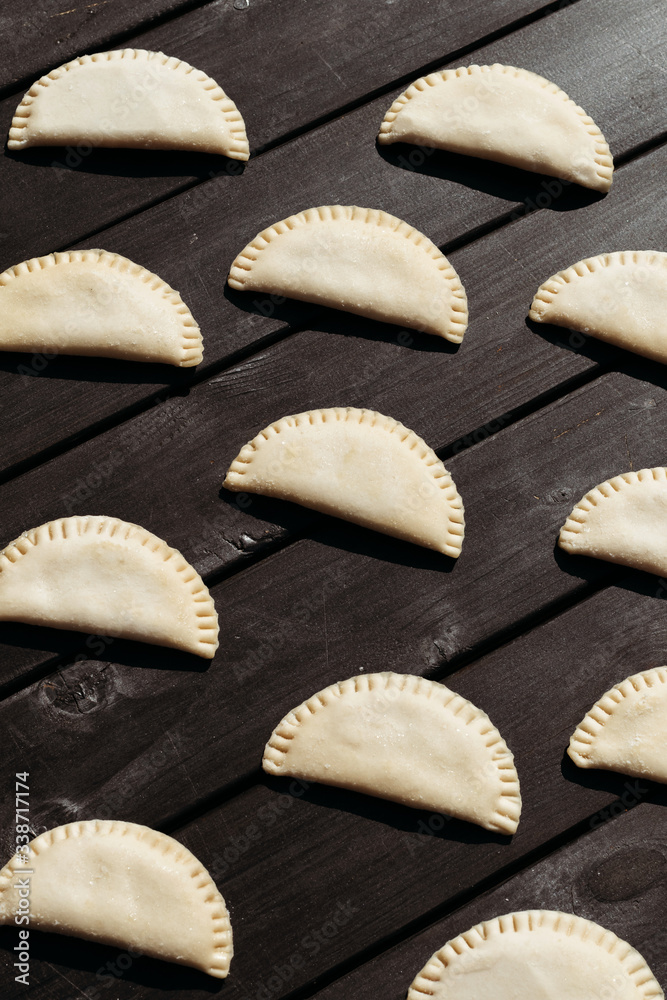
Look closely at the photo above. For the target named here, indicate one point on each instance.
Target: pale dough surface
(505, 114)
(131, 98)
(358, 465)
(107, 577)
(91, 302)
(361, 260)
(125, 885)
(536, 955)
(626, 730)
(618, 297)
(401, 738)
(623, 520)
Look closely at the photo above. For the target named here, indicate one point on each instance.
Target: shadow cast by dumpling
(102, 965)
(129, 162)
(530, 190)
(417, 824)
(300, 316)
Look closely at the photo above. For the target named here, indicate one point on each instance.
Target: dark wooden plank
(615, 876)
(165, 470)
(166, 467)
(37, 38)
(195, 735)
(314, 60)
(67, 205)
(290, 856)
(67, 395)
(338, 601)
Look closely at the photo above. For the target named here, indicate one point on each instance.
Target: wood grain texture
(293, 856)
(350, 357)
(44, 35)
(611, 83)
(615, 876)
(166, 467)
(361, 43)
(316, 877)
(338, 601)
(170, 479)
(285, 64)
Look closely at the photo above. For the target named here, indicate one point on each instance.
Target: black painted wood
(192, 240)
(501, 273)
(615, 876)
(71, 204)
(149, 735)
(356, 42)
(163, 471)
(36, 38)
(306, 62)
(338, 601)
(611, 83)
(291, 857)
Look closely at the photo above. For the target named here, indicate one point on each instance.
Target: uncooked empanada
(401, 738)
(536, 955)
(626, 730)
(124, 885)
(101, 575)
(505, 114)
(92, 302)
(617, 297)
(358, 465)
(623, 520)
(132, 98)
(361, 260)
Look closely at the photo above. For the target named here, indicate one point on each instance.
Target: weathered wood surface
(70, 204)
(360, 44)
(169, 479)
(619, 84)
(187, 244)
(38, 37)
(180, 452)
(615, 875)
(290, 856)
(338, 601)
(528, 420)
(306, 62)
(500, 352)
